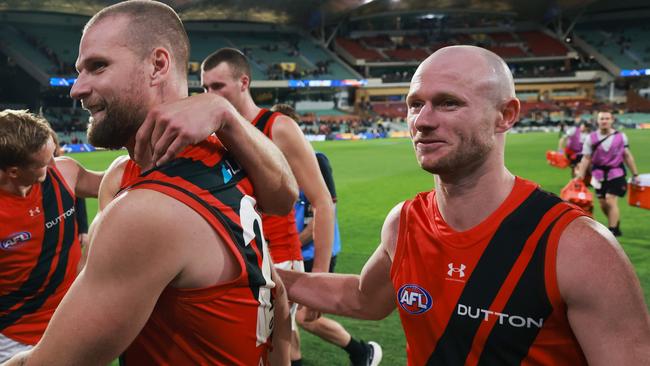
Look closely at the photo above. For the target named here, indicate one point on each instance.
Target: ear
(12, 172)
(245, 82)
(161, 65)
(509, 115)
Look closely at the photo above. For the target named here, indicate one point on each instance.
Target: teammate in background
(487, 268)
(606, 151)
(39, 250)
(360, 352)
(178, 272)
(572, 141)
(227, 73)
(80, 212)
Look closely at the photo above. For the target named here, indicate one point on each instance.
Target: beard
(121, 121)
(471, 151)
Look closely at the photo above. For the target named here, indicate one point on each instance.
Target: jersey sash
(39, 254)
(226, 324)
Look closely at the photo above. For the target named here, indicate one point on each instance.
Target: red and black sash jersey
(489, 295)
(39, 254)
(280, 231)
(225, 324)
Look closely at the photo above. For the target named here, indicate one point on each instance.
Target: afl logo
(14, 239)
(414, 299)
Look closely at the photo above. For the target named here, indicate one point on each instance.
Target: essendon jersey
(489, 295)
(280, 231)
(226, 324)
(39, 254)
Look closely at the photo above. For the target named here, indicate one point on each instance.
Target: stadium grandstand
(345, 65)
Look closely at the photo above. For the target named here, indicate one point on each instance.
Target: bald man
(487, 268)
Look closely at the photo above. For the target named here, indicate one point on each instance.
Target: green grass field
(372, 176)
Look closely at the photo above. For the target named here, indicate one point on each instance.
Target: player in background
(40, 250)
(360, 352)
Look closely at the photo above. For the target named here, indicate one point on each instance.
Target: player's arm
(84, 182)
(302, 159)
(169, 128)
(281, 353)
(628, 158)
(605, 304)
(366, 296)
(583, 166)
(131, 260)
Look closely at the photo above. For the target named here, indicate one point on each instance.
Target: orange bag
(557, 159)
(576, 192)
(639, 194)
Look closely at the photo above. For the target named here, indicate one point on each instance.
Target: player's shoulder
(391, 228)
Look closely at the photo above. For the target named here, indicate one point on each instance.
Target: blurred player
(572, 141)
(178, 272)
(487, 268)
(40, 250)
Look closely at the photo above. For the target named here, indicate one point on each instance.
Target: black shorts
(616, 186)
(309, 264)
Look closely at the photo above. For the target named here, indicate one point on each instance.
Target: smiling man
(487, 268)
(178, 272)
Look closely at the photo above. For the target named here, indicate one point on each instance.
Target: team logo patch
(414, 299)
(14, 239)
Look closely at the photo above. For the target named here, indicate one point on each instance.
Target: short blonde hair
(21, 134)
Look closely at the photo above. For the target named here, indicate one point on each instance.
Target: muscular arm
(131, 261)
(171, 127)
(366, 296)
(300, 155)
(561, 143)
(84, 182)
(605, 304)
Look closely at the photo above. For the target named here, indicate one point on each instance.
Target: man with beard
(487, 268)
(39, 243)
(178, 272)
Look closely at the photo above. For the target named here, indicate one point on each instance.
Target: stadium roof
(310, 13)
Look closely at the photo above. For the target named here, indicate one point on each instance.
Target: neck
(248, 109)
(8, 186)
(605, 131)
(468, 198)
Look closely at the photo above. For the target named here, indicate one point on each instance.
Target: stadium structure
(345, 64)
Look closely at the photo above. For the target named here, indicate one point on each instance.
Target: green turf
(372, 176)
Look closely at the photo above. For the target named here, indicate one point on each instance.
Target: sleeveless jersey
(280, 231)
(39, 254)
(489, 295)
(226, 324)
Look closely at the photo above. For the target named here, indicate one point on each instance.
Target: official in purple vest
(572, 141)
(607, 152)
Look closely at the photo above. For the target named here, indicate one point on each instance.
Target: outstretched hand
(170, 127)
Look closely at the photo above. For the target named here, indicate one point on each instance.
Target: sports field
(372, 176)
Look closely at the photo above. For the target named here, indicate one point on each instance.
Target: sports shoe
(373, 354)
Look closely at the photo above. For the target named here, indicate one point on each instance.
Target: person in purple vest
(572, 141)
(607, 152)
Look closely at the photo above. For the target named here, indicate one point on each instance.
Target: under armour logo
(460, 270)
(35, 211)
